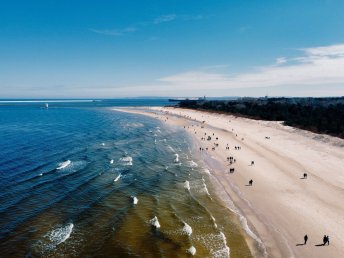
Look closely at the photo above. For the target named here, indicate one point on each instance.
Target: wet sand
(280, 206)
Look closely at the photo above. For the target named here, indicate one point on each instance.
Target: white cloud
(164, 18)
(281, 60)
(158, 20)
(318, 65)
(114, 32)
(192, 17)
(333, 50)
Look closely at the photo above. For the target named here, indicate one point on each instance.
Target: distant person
(306, 239)
(304, 175)
(325, 239)
(250, 182)
(252, 163)
(328, 240)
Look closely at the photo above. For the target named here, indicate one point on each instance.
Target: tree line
(321, 115)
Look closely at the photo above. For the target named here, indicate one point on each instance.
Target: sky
(127, 48)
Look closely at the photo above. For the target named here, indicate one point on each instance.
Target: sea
(79, 179)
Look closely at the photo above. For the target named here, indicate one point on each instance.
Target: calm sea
(81, 180)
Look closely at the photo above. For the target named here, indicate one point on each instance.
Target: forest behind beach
(320, 115)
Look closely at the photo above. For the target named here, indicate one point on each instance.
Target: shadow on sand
(300, 244)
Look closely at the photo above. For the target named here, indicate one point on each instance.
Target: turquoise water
(87, 181)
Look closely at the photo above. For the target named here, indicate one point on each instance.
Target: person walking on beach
(325, 239)
(306, 239)
(250, 182)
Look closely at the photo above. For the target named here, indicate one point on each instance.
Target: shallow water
(132, 188)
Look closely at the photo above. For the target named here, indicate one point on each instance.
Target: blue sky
(97, 49)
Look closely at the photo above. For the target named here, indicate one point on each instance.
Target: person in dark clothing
(306, 239)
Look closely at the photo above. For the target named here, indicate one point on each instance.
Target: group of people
(326, 240)
(231, 160)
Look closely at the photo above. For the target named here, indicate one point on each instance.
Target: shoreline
(279, 207)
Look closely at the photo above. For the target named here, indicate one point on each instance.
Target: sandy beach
(281, 206)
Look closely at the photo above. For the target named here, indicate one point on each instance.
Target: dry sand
(280, 206)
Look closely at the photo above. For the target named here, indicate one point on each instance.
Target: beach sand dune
(281, 206)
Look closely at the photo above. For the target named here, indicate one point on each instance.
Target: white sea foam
(136, 125)
(206, 171)
(171, 148)
(205, 189)
(187, 229)
(247, 229)
(58, 235)
(111, 161)
(192, 250)
(103, 143)
(176, 160)
(224, 251)
(135, 200)
(64, 164)
(213, 219)
(127, 161)
(187, 185)
(244, 223)
(215, 243)
(155, 222)
(41, 174)
(193, 164)
(117, 178)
